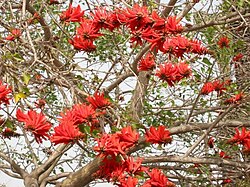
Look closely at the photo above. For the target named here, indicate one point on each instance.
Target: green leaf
(19, 96)
(26, 78)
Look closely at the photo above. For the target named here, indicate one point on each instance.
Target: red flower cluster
(238, 57)
(118, 143)
(223, 42)
(80, 115)
(98, 101)
(157, 179)
(235, 99)
(15, 33)
(147, 63)
(36, 123)
(173, 73)
(216, 85)
(160, 135)
(72, 14)
(144, 27)
(4, 93)
(242, 138)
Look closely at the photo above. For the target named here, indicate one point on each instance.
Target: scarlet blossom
(36, 123)
(8, 133)
(240, 137)
(109, 144)
(197, 48)
(114, 19)
(128, 135)
(160, 135)
(207, 88)
(136, 38)
(84, 113)
(137, 17)
(157, 179)
(72, 14)
(223, 42)
(98, 101)
(184, 70)
(134, 167)
(158, 22)
(4, 93)
(211, 142)
(235, 99)
(87, 30)
(238, 57)
(219, 87)
(66, 133)
(147, 63)
(80, 43)
(167, 72)
(15, 33)
(101, 19)
(128, 182)
(223, 155)
(173, 25)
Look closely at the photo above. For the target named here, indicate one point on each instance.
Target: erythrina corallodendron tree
(132, 93)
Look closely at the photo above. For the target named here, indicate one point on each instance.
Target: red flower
(223, 155)
(84, 114)
(157, 179)
(219, 86)
(227, 181)
(66, 132)
(137, 17)
(72, 14)
(160, 135)
(167, 72)
(196, 47)
(183, 70)
(98, 101)
(129, 182)
(134, 167)
(238, 57)
(87, 30)
(109, 144)
(36, 123)
(173, 25)
(15, 33)
(4, 92)
(101, 19)
(129, 135)
(223, 42)
(211, 142)
(242, 137)
(207, 88)
(147, 63)
(235, 99)
(80, 43)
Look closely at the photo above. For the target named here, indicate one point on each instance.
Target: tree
(137, 93)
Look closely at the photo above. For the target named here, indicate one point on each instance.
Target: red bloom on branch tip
(235, 99)
(98, 101)
(72, 14)
(240, 137)
(80, 43)
(15, 33)
(238, 57)
(157, 179)
(4, 93)
(167, 72)
(66, 133)
(160, 135)
(128, 182)
(218, 86)
(227, 181)
(223, 42)
(173, 25)
(147, 63)
(129, 135)
(184, 70)
(36, 123)
(207, 88)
